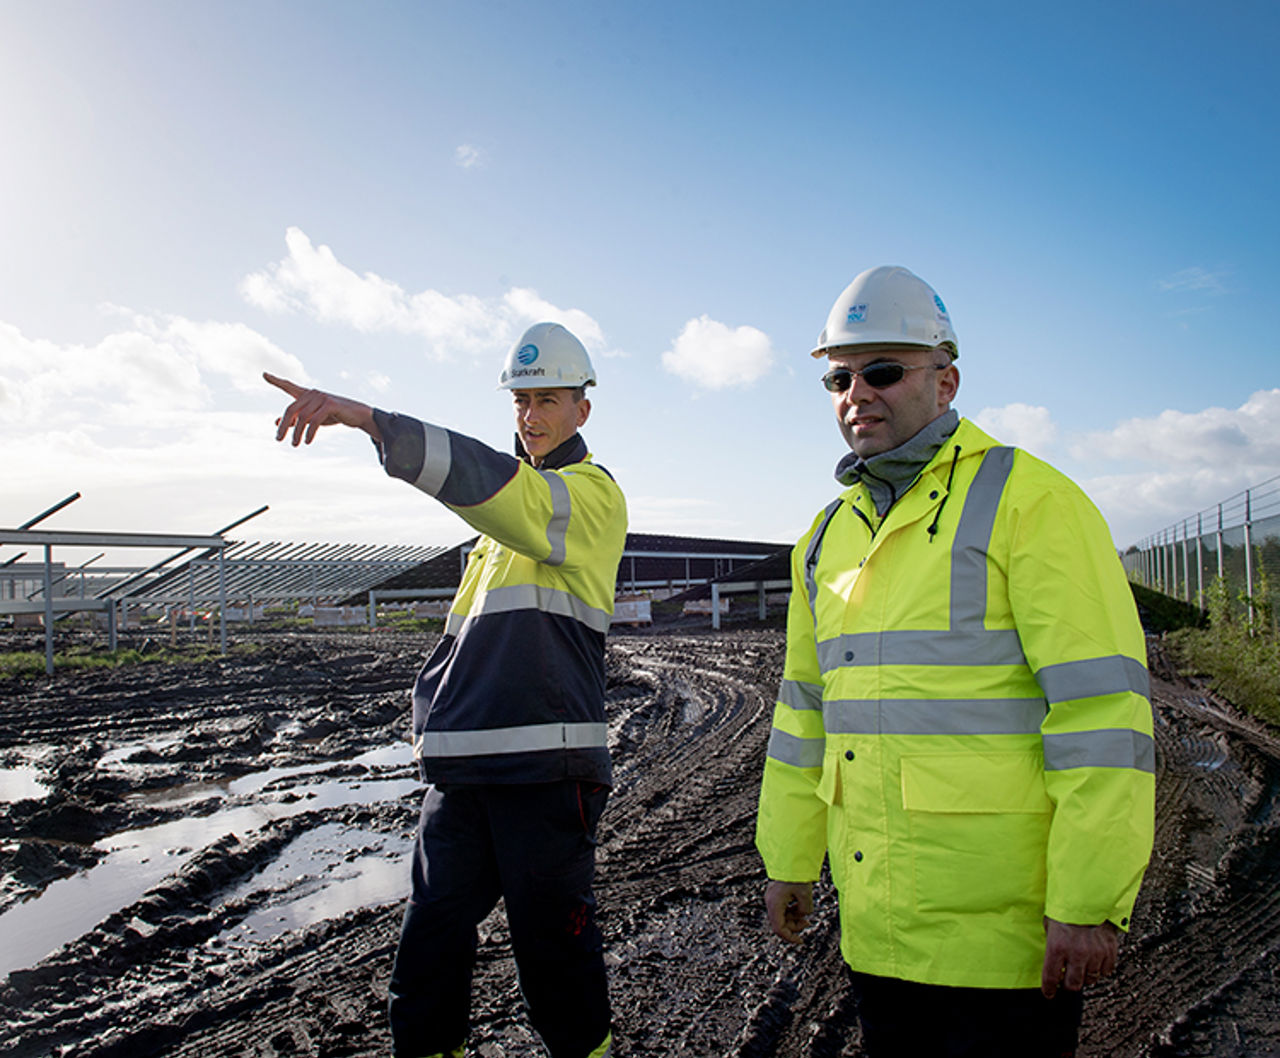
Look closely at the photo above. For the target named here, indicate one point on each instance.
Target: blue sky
(377, 198)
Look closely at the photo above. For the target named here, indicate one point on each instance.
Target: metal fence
(1238, 540)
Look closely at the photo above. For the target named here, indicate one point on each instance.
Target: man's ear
(948, 384)
(584, 409)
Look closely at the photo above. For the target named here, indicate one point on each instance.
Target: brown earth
(693, 970)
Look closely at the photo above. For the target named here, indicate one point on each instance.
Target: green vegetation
(407, 621)
(1242, 661)
(29, 663)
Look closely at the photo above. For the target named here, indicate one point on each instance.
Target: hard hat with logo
(547, 356)
(888, 306)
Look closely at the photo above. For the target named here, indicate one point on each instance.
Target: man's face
(545, 418)
(875, 420)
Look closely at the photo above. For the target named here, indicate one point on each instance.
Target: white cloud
(311, 280)
(1193, 461)
(1194, 279)
(1025, 425)
(1221, 438)
(468, 156)
(711, 354)
(156, 370)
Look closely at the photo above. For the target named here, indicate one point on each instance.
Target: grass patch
(408, 622)
(30, 663)
(1241, 662)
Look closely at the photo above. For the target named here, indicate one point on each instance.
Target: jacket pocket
(979, 829)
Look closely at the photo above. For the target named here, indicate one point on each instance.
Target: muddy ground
(204, 946)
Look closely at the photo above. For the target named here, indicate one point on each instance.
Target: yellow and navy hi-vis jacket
(963, 724)
(514, 690)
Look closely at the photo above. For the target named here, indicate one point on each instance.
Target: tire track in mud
(693, 969)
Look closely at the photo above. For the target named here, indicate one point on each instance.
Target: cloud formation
(148, 372)
(713, 355)
(468, 156)
(1191, 461)
(1194, 279)
(1221, 438)
(313, 282)
(1025, 425)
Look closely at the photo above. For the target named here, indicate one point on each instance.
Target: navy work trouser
(906, 1018)
(534, 846)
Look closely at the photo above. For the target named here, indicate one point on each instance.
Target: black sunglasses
(877, 376)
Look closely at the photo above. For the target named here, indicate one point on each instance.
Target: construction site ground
(209, 859)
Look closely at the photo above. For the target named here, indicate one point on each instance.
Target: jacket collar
(573, 450)
(887, 475)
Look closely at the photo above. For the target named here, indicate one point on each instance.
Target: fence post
(1186, 567)
(1221, 572)
(1199, 560)
(1248, 555)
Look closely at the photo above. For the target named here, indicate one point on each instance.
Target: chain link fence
(1238, 540)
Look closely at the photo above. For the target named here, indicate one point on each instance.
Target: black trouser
(534, 846)
(901, 1019)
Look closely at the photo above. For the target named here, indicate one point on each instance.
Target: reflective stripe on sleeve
(800, 695)
(1092, 677)
(561, 508)
(798, 752)
(497, 740)
(531, 597)
(934, 716)
(973, 646)
(1106, 748)
(437, 458)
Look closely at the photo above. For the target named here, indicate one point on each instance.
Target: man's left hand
(1075, 956)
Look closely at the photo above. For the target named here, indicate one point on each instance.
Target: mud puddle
(135, 860)
(278, 941)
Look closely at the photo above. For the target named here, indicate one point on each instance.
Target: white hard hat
(547, 356)
(888, 306)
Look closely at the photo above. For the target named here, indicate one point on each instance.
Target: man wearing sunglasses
(963, 727)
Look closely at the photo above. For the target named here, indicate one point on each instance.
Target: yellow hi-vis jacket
(963, 724)
(514, 690)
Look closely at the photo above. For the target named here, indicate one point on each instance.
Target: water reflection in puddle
(138, 859)
(321, 874)
(20, 783)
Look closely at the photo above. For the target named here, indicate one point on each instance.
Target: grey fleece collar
(887, 475)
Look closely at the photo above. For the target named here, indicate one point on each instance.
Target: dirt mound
(293, 747)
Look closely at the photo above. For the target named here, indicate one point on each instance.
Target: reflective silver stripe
(541, 598)
(933, 716)
(1093, 677)
(453, 625)
(1117, 747)
(973, 537)
(798, 752)
(975, 646)
(437, 458)
(558, 526)
(800, 695)
(813, 552)
(525, 739)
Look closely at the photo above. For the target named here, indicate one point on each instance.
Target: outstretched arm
(313, 408)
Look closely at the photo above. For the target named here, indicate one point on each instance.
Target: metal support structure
(1248, 556)
(48, 609)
